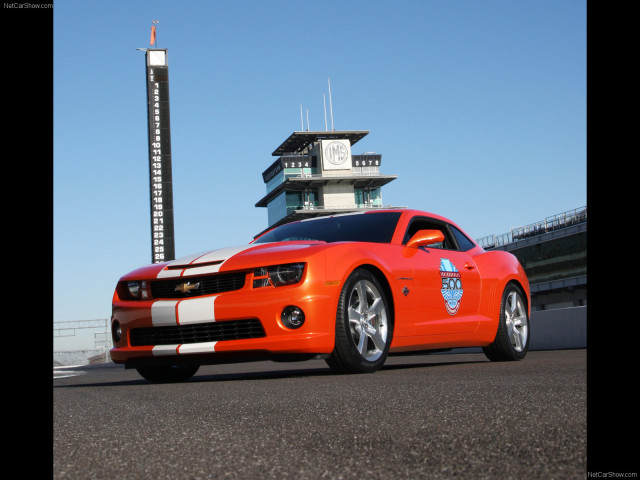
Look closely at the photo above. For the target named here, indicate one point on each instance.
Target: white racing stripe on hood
(222, 254)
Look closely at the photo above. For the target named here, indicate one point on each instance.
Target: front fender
(343, 259)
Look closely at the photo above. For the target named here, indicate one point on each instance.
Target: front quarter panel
(316, 299)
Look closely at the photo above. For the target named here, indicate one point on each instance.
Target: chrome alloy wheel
(515, 316)
(367, 320)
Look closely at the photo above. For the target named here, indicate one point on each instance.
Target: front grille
(197, 333)
(207, 285)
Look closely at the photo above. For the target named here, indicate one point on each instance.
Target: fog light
(292, 317)
(116, 331)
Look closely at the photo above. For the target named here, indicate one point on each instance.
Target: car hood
(231, 258)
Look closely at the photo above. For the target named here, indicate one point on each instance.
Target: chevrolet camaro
(351, 288)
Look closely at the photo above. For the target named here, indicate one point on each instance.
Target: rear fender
(497, 268)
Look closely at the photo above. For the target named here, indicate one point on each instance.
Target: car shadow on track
(202, 377)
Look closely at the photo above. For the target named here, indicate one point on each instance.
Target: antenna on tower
(324, 102)
(301, 121)
(307, 119)
(331, 106)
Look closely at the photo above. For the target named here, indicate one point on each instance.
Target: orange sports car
(351, 289)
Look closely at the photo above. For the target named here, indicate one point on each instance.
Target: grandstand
(553, 253)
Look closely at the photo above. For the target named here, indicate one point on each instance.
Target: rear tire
(512, 337)
(364, 325)
(168, 373)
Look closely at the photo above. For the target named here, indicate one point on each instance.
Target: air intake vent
(197, 333)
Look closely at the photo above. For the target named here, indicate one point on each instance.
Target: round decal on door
(451, 286)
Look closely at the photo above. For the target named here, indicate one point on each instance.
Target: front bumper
(262, 307)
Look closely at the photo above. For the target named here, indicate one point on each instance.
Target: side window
(426, 224)
(463, 242)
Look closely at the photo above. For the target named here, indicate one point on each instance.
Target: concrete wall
(558, 329)
(338, 195)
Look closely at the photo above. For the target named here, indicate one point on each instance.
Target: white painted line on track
(67, 371)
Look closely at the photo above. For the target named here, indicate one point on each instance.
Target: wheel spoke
(377, 339)
(362, 343)
(509, 325)
(376, 308)
(512, 303)
(354, 316)
(518, 322)
(515, 317)
(362, 296)
(516, 339)
(366, 315)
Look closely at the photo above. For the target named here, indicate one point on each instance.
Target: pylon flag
(153, 35)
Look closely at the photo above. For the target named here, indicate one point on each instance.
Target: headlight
(133, 290)
(278, 275)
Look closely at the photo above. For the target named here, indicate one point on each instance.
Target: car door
(446, 282)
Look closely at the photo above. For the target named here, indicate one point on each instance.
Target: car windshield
(358, 227)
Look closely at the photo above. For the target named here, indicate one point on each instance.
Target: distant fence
(83, 355)
(554, 222)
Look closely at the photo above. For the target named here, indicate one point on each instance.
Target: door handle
(469, 266)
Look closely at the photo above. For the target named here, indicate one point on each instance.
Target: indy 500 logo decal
(451, 286)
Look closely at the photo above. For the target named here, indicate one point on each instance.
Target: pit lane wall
(557, 329)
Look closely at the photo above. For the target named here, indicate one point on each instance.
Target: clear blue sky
(479, 107)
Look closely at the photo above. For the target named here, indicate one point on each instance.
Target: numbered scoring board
(160, 181)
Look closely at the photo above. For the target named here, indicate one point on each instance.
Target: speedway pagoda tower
(316, 174)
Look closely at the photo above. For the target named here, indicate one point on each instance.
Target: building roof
(298, 141)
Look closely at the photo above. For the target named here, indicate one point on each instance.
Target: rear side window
(463, 242)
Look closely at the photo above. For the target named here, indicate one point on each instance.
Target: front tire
(168, 373)
(512, 337)
(364, 325)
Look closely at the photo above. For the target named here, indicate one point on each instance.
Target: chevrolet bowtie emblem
(186, 287)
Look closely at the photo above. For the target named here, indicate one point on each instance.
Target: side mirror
(423, 238)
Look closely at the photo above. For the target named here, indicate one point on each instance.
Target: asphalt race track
(434, 417)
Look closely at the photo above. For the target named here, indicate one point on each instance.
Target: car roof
(406, 214)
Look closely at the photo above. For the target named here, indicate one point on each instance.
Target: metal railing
(554, 222)
(337, 173)
(101, 338)
(343, 207)
(68, 329)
